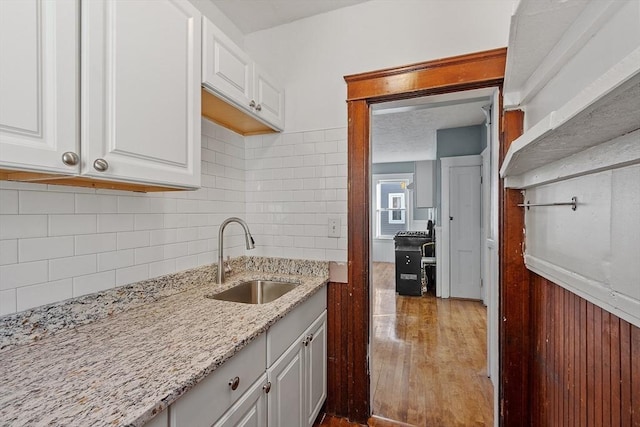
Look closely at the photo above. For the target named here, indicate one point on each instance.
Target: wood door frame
(459, 73)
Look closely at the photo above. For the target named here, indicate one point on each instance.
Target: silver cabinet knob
(258, 107)
(100, 165)
(267, 387)
(234, 383)
(252, 104)
(70, 158)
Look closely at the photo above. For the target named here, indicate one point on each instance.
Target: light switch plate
(334, 227)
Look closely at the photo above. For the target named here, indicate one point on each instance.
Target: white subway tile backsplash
(116, 259)
(161, 237)
(28, 273)
(197, 247)
(133, 239)
(45, 293)
(176, 250)
(8, 201)
(91, 283)
(313, 136)
(22, 226)
(96, 203)
(109, 223)
(161, 268)
(327, 147)
(149, 254)
(42, 202)
(7, 302)
(45, 248)
(335, 134)
(8, 252)
(336, 159)
(286, 191)
(68, 225)
(95, 243)
(62, 268)
(148, 221)
(187, 262)
(133, 204)
(125, 276)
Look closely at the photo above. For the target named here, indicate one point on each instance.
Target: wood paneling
(483, 69)
(514, 294)
(585, 368)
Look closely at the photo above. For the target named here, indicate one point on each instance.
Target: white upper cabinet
(141, 91)
(231, 74)
(225, 67)
(38, 84)
(104, 90)
(269, 98)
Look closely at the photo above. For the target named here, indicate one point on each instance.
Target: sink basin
(255, 292)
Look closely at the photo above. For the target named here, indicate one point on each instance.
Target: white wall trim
(620, 152)
(443, 284)
(588, 23)
(595, 292)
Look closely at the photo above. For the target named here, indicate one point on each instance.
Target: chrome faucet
(247, 237)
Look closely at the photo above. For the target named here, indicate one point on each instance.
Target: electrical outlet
(334, 227)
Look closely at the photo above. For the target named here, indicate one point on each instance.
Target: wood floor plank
(428, 358)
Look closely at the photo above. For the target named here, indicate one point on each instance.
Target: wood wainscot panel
(585, 364)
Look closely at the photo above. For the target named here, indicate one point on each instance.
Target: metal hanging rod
(573, 203)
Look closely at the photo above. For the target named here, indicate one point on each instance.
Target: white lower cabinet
(299, 378)
(279, 380)
(250, 410)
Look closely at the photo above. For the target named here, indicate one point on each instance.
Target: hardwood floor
(428, 365)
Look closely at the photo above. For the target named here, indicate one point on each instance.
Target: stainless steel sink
(255, 292)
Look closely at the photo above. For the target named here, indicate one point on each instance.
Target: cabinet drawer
(208, 400)
(281, 335)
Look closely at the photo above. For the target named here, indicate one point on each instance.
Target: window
(396, 208)
(391, 204)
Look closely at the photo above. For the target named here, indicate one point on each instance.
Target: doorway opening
(429, 354)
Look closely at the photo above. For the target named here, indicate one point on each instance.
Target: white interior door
(464, 226)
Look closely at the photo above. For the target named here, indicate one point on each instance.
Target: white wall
(312, 55)
(614, 41)
(60, 242)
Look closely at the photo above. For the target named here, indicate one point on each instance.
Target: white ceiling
(408, 132)
(255, 15)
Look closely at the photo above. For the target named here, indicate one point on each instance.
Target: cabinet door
(286, 398)
(38, 84)
(316, 368)
(226, 69)
(250, 410)
(140, 81)
(269, 99)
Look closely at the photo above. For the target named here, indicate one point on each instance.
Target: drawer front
(208, 400)
(281, 335)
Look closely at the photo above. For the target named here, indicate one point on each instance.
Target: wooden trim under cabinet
(76, 181)
(226, 115)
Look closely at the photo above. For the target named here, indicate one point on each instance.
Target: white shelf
(606, 109)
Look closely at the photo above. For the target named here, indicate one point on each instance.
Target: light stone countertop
(124, 368)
